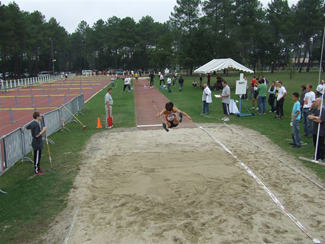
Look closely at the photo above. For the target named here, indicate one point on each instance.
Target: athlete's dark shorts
(225, 107)
(255, 94)
(172, 124)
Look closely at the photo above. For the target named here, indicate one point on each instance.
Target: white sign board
(241, 86)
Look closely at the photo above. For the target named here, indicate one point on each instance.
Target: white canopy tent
(220, 64)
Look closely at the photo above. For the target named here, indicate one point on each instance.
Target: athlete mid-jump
(173, 116)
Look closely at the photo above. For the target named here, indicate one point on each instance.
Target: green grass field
(32, 203)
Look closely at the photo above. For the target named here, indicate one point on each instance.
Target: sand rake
(83, 126)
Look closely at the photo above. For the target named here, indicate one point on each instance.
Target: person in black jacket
(181, 82)
(37, 142)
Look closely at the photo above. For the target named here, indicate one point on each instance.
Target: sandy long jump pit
(182, 187)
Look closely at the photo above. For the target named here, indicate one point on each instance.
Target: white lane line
(76, 211)
(276, 201)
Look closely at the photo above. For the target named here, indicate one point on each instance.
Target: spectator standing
(206, 99)
(181, 82)
(108, 106)
(225, 99)
(127, 82)
(262, 88)
(201, 79)
(152, 76)
(295, 120)
(169, 82)
(208, 78)
(307, 109)
(302, 97)
(252, 88)
(320, 89)
(161, 79)
(256, 84)
(271, 100)
(318, 118)
(37, 142)
(282, 92)
(175, 78)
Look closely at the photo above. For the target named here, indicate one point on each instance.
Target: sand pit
(181, 187)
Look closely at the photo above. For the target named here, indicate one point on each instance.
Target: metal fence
(9, 84)
(17, 144)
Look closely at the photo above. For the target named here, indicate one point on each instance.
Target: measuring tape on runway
(277, 202)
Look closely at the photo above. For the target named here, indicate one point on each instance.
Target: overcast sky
(69, 13)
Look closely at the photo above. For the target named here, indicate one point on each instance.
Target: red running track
(22, 99)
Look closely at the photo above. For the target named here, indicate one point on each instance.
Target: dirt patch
(181, 187)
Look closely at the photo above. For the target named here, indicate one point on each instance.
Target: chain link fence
(17, 144)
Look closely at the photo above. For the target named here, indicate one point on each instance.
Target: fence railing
(9, 84)
(17, 144)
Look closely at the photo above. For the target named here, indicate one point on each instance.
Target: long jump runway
(149, 102)
(189, 186)
(18, 104)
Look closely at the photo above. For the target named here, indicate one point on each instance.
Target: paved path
(148, 102)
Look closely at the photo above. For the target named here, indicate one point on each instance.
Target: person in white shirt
(206, 99)
(161, 78)
(307, 108)
(169, 82)
(282, 92)
(320, 88)
(127, 82)
(108, 106)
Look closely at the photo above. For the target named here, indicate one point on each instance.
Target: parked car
(118, 72)
(86, 72)
(43, 73)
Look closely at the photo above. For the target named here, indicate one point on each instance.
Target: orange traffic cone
(99, 125)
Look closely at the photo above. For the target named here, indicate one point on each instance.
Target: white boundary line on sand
(294, 169)
(154, 125)
(277, 202)
(76, 211)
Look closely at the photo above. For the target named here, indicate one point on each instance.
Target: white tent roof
(220, 64)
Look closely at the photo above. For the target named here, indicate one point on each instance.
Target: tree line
(196, 32)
